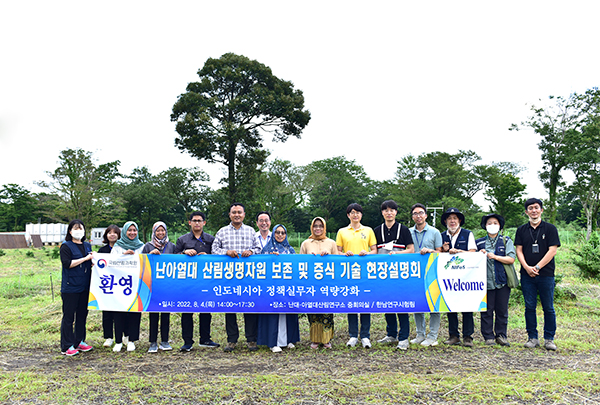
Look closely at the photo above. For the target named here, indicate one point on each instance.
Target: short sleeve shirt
(351, 240)
(545, 235)
(398, 234)
(429, 238)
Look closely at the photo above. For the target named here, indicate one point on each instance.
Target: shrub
(29, 254)
(588, 257)
(55, 252)
(2, 252)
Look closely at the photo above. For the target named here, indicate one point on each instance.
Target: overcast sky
(381, 79)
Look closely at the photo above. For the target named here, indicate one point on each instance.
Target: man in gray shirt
(427, 239)
(235, 240)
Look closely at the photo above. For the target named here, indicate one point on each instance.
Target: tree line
(223, 117)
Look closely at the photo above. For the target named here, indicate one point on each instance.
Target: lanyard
(537, 234)
(422, 238)
(260, 240)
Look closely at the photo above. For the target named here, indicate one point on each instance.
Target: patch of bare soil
(214, 362)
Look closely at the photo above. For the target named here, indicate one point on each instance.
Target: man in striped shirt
(238, 240)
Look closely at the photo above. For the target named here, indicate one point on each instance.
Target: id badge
(535, 248)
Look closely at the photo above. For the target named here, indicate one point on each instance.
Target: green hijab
(126, 243)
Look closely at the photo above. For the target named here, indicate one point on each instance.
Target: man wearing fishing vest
(394, 238)
(455, 241)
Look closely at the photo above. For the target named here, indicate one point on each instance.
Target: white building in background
(96, 236)
(49, 233)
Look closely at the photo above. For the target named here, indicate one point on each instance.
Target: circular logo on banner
(101, 263)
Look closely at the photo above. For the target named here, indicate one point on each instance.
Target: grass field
(32, 370)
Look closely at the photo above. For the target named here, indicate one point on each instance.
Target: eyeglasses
(279, 233)
(418, 214)
(197, 221)
(318, 226)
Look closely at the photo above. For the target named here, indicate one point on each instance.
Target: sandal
(314, 345)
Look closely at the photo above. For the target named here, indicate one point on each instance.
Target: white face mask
(78, 233)
(492, 229)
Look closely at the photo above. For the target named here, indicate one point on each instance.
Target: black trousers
(187, 327)
(127, 324)
(233, 333)
(165, 323)
(497, 303)
(108, 323)
(468, 324)
(74, 307)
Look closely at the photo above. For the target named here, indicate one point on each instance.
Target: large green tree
(557, 124)
(281, 187)
(82, 188)
(222, 118)
(340, 183)
(144, 200)
(504, 190)
(17, 207)
(585, 158)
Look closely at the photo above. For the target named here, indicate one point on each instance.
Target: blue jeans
(434, 325)
(392, 326)
(365, 325)
(544, 287)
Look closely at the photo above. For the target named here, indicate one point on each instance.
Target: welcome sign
(405, 283)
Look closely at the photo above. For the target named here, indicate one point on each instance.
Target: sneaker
(453, 340)
(291, 346)
(276, 349)
(468, 341)
(352, 342)
(71, 351)
(186, 347)
(327, 345)
(209, 343)
(230, 346)
(153, 347)
(108, 342)
(165, 346)
(252, 346)
(502, 340)
(418, 339)
(314, 345)
(532, 343)
(117, 347)
(130, 346)
(84, 347)
(402, 345)
(125, 340)
(550, 345)
(387, 339)
(429, 342)
(490, 342)
(366, 342)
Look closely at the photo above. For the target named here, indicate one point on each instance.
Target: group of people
(535, 246)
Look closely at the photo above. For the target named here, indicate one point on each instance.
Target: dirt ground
(302, 363)
(215, 362)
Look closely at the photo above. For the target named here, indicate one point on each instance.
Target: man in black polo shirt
(393, 237)
(197, 242)
(536, 243)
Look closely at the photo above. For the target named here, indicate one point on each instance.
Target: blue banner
(289, 283)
